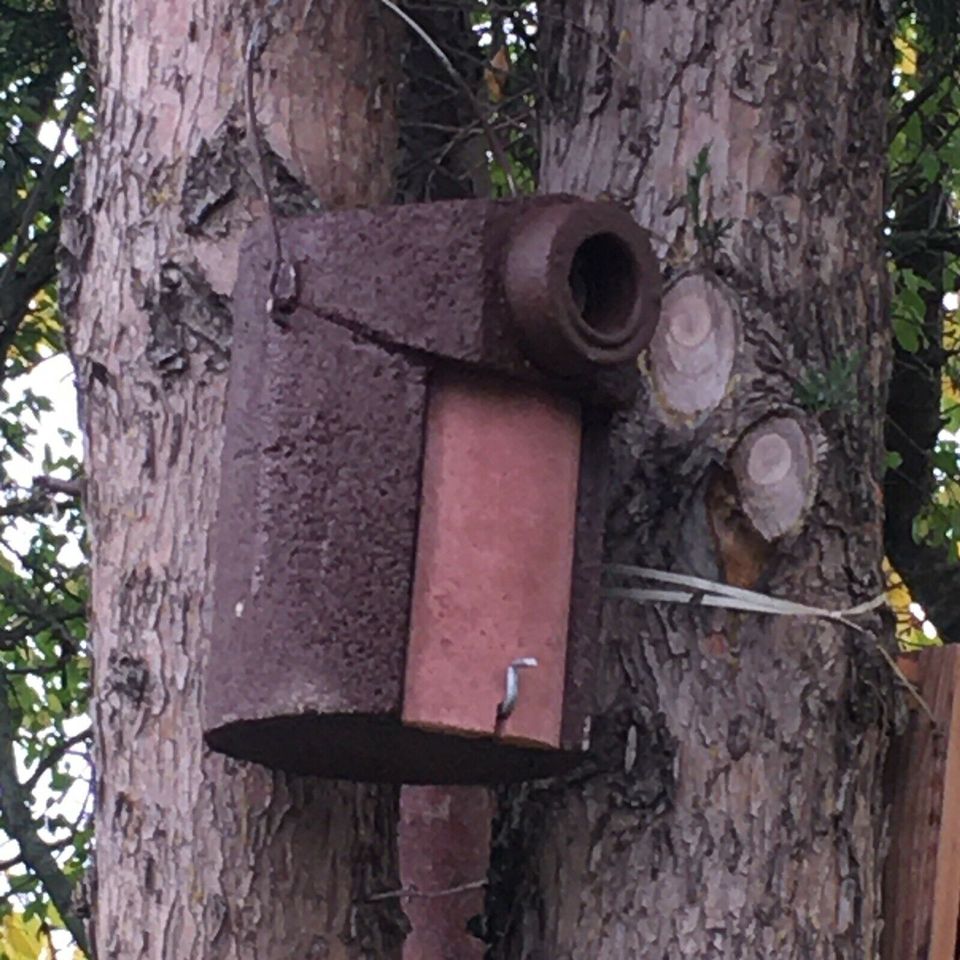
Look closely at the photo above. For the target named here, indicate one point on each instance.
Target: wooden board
(922, 877)
(494, 559)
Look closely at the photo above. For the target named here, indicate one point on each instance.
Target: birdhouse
(412, 504)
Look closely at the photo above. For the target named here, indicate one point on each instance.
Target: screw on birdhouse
(512, 690)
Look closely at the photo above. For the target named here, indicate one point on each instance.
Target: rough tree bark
(730, 806)
(197, 857)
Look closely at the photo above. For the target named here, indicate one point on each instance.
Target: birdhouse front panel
(494, 560)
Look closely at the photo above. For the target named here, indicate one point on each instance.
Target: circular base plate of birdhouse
(381, 750)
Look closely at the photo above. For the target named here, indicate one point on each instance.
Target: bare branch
(496, 148)
(71, 488)
(54, 757)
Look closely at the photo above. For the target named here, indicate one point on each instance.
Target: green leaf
(929, 166)
(907, 332)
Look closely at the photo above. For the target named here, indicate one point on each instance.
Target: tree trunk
(732, 803)
(198, 857)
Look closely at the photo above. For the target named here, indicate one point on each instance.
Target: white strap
(710, 593)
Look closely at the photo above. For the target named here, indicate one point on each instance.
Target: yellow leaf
(495, 75)
(898, 596)
(908, 56)
(909, 627)
(22, 939)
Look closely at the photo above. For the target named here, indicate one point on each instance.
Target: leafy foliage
(45, 833)
(707, 231)
(832, 389)
(923, 482)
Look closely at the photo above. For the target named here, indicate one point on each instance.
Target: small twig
(499, 154)
(39, 498)
(414, 894)
(6, 865)
(71, 488)
(282, 270)
(911, 687)
(45, 928)
(54, 757)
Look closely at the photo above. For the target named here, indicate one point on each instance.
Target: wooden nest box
(412, 500)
